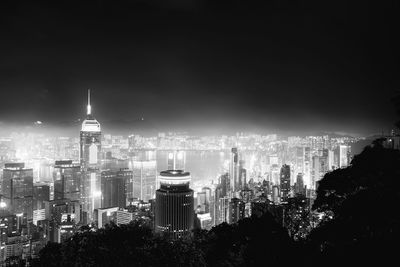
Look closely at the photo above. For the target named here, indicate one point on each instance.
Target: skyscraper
(344, 156)
(318, 170)
(201, 203)
(67, 180)
(90, 140)
(285, 182)
(223, 210)
(41, 193)
(113, 189)
(242, 180)
(307, 166)
(224, 183)
(300, 159)
(331, 160)
(174, 203)
(176, 160)
(274, 175)
(234, 169)
(299, 186)
(17, 189)
(207, 191)
(144, 179)
(90, 154)
(236, 210)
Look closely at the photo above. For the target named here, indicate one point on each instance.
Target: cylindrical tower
(174, 204)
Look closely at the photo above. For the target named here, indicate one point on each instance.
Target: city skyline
(253, 68)
(199, 133)
(140, 126)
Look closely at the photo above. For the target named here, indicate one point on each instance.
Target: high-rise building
(174, 203)
(299, 186)
(90, 141)
(208, 199)
(17, 189)
(127, 175)
(300, 159)
(274, 175)
(234, 169)
(344, 152)
(236, 210)
(275, 194)
(224, 182)
(315, 171)
(41, 193)
(39, 215)
(285, 182)
(216, 214)
(223, 210)
(307, 166)
(319, 168)
(176, 160)
(90, 155)
(144, 181)
(67, 180)
(180, 160)
(242, 176)
(113, 189)
(171, 161)
(201, 204)
(331, 160)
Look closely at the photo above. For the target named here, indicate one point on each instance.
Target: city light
(199, 133)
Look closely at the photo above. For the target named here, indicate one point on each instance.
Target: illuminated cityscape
(199, 133)
(107, 177)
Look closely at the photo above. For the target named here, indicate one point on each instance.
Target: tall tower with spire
(90, 159)
(90, 140)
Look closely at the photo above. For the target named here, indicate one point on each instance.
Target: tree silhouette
(362, 199)
(250, 242)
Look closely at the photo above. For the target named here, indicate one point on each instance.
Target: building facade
(174, 212)
(17, 189)
(90, 159)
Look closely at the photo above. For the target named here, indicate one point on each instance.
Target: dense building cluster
(52, 186)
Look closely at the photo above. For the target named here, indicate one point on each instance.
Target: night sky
(201, 66)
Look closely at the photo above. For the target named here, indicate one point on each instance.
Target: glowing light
(97, 194)
(93, 154)
(89, 107)
(91, 125)
(174, 177)
(3, 205)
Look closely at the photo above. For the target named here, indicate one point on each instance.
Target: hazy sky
(201, 65)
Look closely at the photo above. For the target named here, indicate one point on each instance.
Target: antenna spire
(89, 107)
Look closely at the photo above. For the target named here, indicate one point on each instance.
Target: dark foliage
(363, 200)
(252, 241)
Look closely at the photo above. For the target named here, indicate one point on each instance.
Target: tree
(363, 199)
